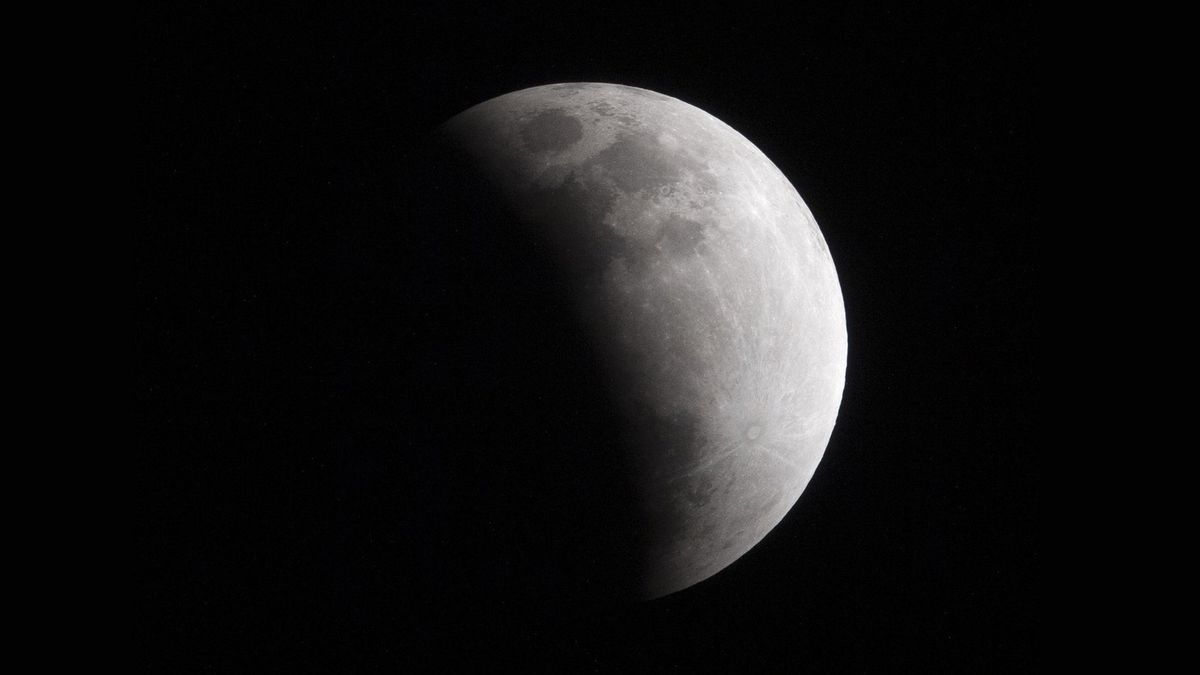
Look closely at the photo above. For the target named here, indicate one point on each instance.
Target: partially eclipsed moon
(709, 289)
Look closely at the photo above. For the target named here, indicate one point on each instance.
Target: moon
(705, 284)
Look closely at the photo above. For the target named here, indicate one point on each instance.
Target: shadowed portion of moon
(682, 269)
(537, 508)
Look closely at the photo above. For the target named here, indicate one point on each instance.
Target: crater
(753, 432)
(603, 108)
(551, 131)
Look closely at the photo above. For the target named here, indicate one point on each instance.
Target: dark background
(298, 302)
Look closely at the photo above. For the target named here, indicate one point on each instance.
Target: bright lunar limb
(707, 285)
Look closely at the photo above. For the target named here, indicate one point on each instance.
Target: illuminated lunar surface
(706, 285)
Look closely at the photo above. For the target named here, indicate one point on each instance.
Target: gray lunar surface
(706, 285)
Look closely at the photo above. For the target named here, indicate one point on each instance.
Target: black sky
(277, 318)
